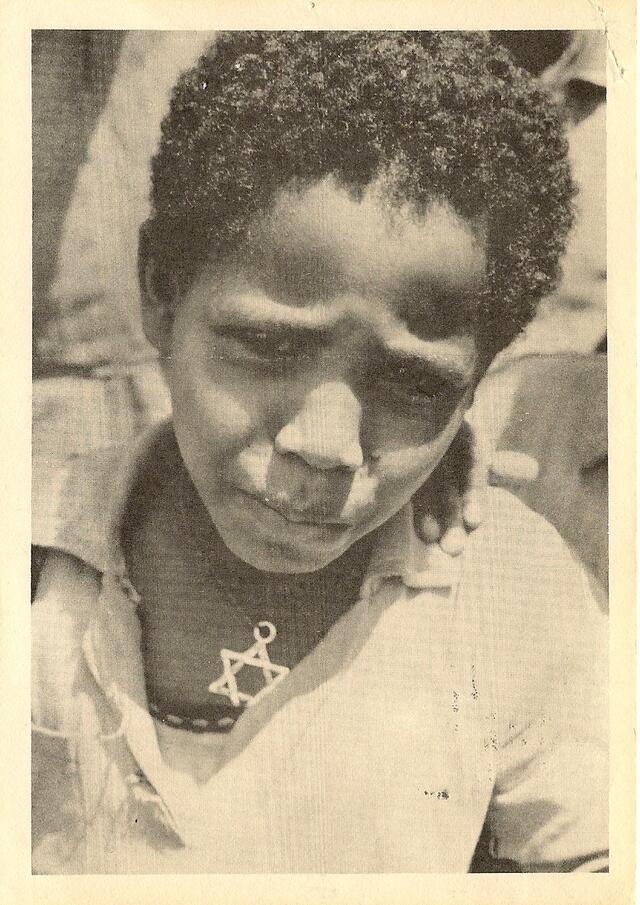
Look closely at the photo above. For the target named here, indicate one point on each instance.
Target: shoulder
(520, 556)
(540, 627)
(65, 600)
(78, 500)
(71, 504)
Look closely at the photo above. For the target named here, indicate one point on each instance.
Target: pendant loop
(271, 632)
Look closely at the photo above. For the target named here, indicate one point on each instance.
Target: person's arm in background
(91, 292)
(71, 75)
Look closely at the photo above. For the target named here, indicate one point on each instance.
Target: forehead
(371, 236)
(321, 242)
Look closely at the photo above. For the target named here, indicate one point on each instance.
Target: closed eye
(416, 382)
(278, 346)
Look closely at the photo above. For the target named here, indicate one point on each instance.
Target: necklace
(210, 643)
(255, 656)
(226, 685)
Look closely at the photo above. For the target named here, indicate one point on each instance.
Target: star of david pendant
(256, 656)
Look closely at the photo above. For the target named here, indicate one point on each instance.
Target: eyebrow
(436, 308)
(318, 319)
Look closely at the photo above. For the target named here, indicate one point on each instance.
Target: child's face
(315, 381)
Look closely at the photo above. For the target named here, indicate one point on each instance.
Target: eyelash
(266, 348)
(413, 385)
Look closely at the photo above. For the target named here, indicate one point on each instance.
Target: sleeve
(62, 601)
(549, 810)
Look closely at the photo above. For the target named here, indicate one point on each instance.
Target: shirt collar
(398, 552)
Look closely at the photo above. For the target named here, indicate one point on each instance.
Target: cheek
(407, 449)
(405, 470)
(210, 405)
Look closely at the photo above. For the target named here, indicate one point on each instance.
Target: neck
(198, 597)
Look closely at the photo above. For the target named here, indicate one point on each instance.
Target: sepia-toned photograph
(319, 543)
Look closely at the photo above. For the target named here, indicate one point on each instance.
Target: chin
(280, 557)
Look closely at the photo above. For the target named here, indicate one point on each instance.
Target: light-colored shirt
(452, 692)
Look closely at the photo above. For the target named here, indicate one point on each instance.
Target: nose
(325, 433)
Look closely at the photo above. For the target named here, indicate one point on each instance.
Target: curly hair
(449, 114)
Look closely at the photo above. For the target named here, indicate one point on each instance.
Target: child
(257, 666)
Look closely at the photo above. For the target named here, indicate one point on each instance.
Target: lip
(298, 517)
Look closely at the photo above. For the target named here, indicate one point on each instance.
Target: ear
(158, 301)
(157, 310)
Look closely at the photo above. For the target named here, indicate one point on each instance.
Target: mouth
(298, 516)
